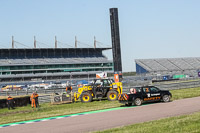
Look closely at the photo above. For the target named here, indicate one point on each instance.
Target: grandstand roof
(49, 52)
(169, 64)
(50, 48)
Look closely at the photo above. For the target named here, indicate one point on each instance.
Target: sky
(148, 28)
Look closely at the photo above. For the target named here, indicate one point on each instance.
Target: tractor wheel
(112, 95)
(86, 97)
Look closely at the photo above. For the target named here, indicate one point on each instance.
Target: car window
(154, 89)
(146, 89)
(138, 89)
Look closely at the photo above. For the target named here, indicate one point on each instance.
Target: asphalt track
(106, 119)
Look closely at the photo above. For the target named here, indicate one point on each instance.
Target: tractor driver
(98, 87)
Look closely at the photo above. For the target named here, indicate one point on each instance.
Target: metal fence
(171, 85)
(182, 85)
(23, 92)
(45, 98)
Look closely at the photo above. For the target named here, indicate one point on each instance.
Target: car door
(146, 94)
(155, 93)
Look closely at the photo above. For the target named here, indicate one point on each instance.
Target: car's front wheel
(166, 98)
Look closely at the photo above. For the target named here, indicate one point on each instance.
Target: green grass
(185, 93)
(175, 81)
(48, 110)
(180, 124)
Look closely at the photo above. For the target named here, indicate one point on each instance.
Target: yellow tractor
(99, 88)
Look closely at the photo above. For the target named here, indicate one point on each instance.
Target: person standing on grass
(36, 99)
(10, 102)
(69, 89)
(32, 98)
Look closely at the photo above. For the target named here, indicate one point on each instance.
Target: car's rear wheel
(137, 101)
(166, 98)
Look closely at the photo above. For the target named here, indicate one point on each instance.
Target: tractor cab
(102, 82)
(101, 87)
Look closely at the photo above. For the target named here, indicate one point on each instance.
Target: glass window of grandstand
(29, 67)
(6, 73)
(62, 66)
(91, 65)
(106, 64)
(5, 68)
(13, 68)
(51, 66)
(107, 69)
(76, 65)
(98, 65)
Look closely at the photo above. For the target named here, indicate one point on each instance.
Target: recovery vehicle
(139, 95)
(99, 88)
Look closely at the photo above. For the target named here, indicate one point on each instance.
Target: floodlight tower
(114, 23)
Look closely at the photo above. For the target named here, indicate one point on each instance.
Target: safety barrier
(19, 101)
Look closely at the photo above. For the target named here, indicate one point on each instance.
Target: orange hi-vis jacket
(9, 98)
(70, 88)
(33, 96)
(33, 100)
(36, 95)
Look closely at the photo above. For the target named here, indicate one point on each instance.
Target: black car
(139, 95)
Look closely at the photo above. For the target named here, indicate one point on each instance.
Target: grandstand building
(188, 66)
(52, 63)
